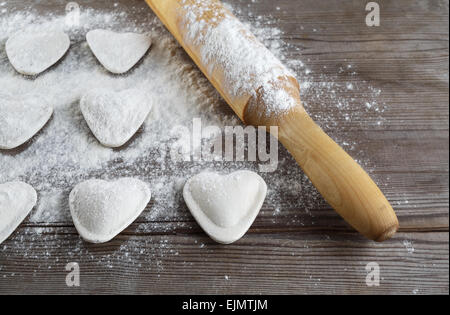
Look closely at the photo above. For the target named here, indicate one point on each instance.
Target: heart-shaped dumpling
(101, 209)
(118, 52)
(114, 117)
(16, 201)
(21, 119)
(33, 53)
(225, 206)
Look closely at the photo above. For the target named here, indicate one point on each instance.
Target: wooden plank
(406, 57)
(419, 197)
(288, 263)
(297, 244)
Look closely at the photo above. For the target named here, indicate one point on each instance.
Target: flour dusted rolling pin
(262, 92)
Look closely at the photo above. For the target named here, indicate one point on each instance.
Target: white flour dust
(65, 153)
(228, 45)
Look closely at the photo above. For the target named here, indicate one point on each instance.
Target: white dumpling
(100, 209)
(16, 201)
(21, 118)
(225, 206)
(114, 117)
(31, 53)
(118, 52)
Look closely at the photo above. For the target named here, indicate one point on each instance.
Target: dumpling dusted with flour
(101, 209)
(21, 118)
(16, 201)
(114, 117)
(225, 206)
(35, 52)
(118, 52)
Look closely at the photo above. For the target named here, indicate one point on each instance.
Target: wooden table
(406, 57)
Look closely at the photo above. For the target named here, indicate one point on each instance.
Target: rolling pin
(262, 92)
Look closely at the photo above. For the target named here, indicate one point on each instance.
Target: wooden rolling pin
(264, 93)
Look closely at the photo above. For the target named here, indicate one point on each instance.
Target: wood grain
(340, 180)
(407, 58)
(261, 263)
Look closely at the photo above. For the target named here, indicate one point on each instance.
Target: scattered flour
(66, 153)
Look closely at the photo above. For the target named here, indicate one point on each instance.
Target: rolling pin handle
(339, 178)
